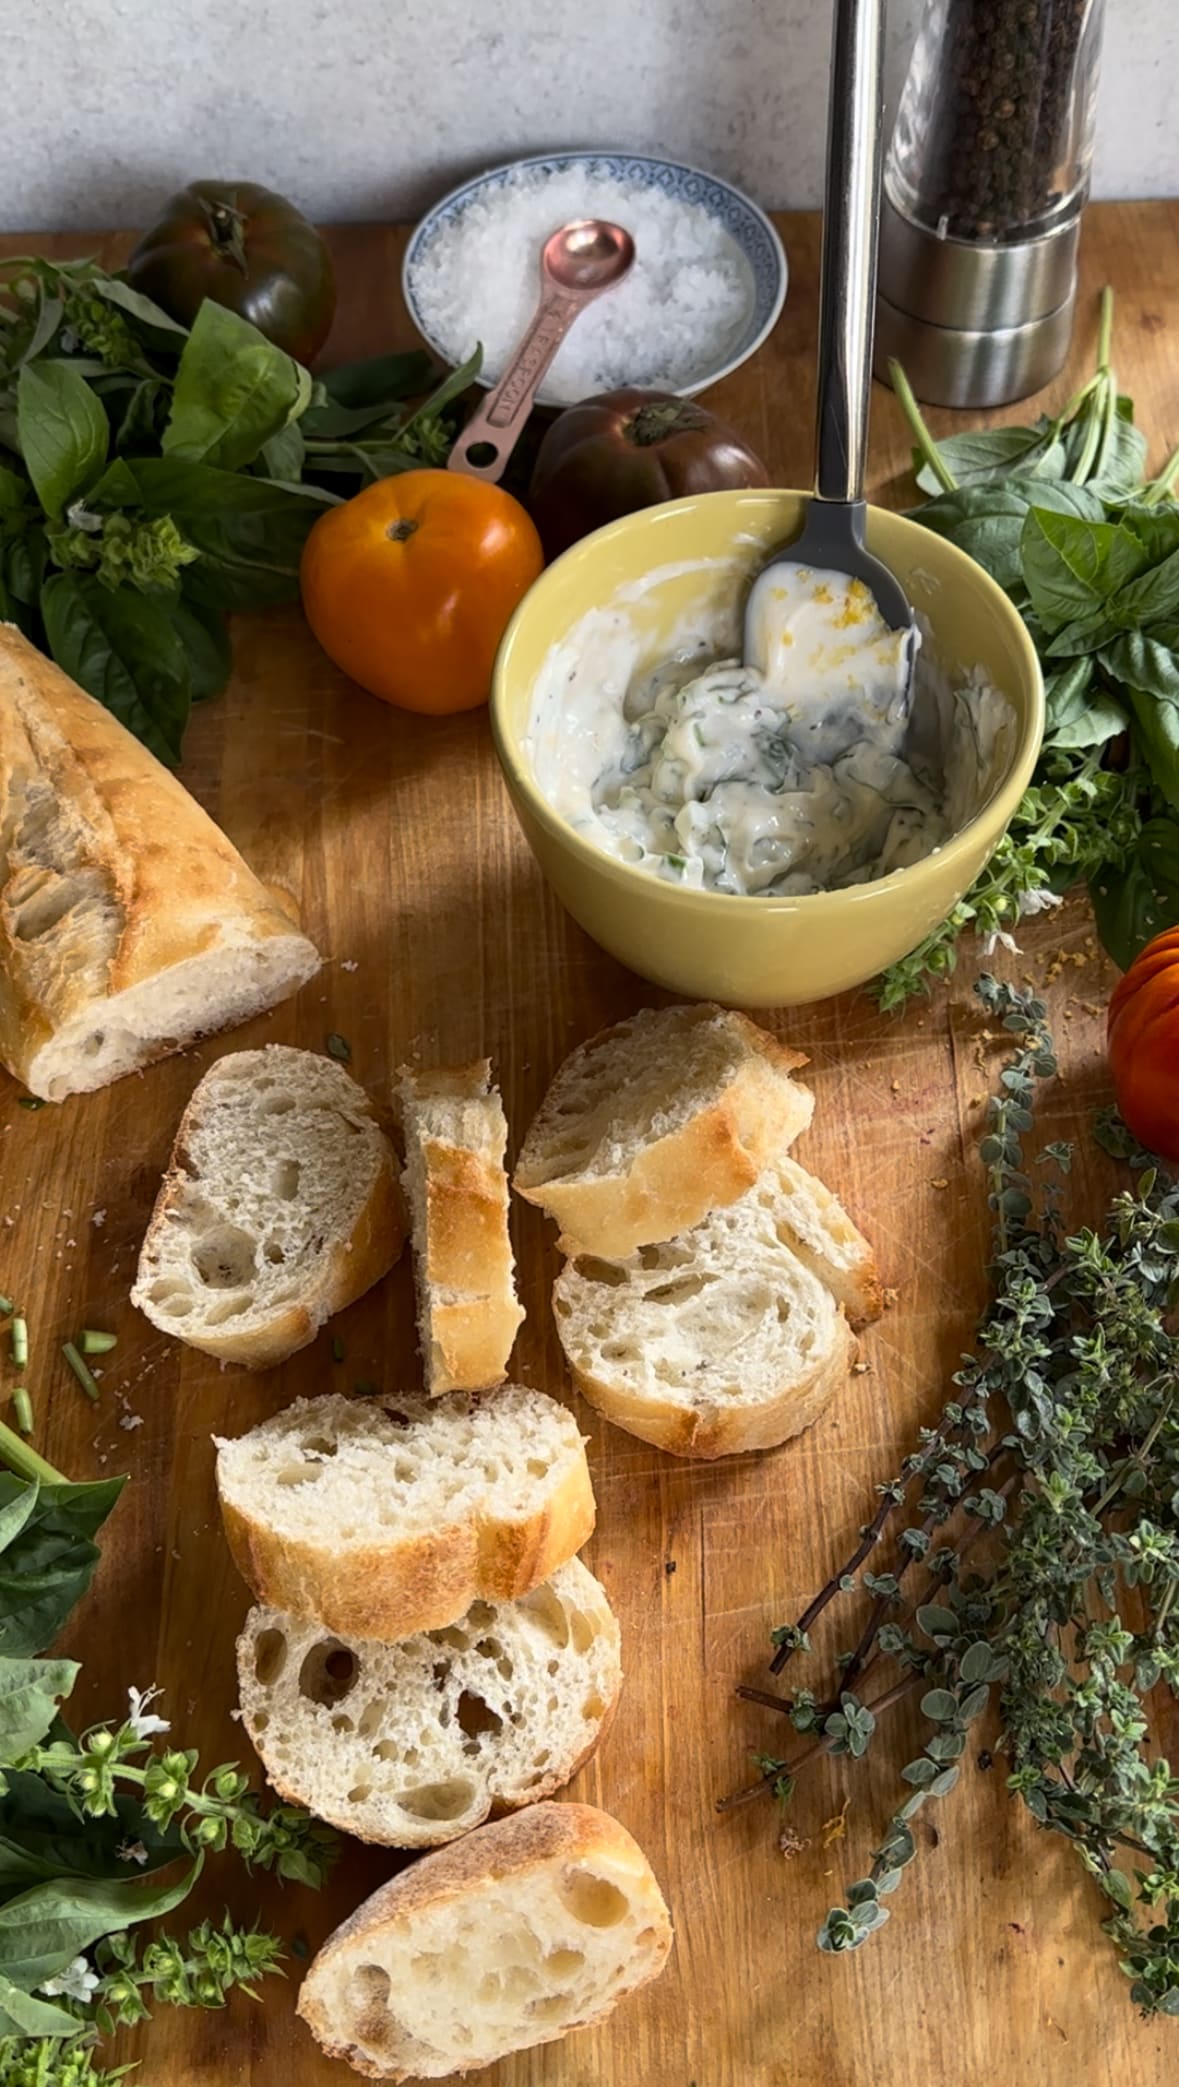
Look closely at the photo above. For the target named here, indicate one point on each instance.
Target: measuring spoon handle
(499, 420)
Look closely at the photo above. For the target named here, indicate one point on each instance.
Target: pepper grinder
(985, 181)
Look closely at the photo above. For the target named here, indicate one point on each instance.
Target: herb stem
(1160, 487)
(20, 1342)
(22, 1407)
(25, 1461)
(822, 1745)
(921, 435)
(82, 1372)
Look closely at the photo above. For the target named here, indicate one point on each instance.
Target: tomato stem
(401, 531)
(226, 230)
(658, 419)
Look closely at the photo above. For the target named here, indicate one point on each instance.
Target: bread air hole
(224, 1259)
(284, 1179)
(277, 1104)
(548, 1614)
(606, 1272)
(370, 1719)
(679, 1290)
(270, 1656)
(593, 1707)
(360, 1793)
(476, 1718)
(172, 1296)
(447, 1800)
(273, 1253)
(328, 1672)
(368, 1995)
(46, 906)
(592, 1900)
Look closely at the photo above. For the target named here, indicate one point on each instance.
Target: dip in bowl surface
(712, 885)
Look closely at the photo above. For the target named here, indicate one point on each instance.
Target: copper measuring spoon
(577, 263)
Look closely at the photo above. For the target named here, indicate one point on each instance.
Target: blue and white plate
(746, 226)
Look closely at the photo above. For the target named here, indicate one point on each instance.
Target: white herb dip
(807, 778)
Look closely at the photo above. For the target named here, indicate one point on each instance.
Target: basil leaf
(251, 532)
(41, 1838)
(284, 455)
(234, 390)
(377, 380)
(30, 1691)
(1121, 468)
(1156, 721)
(63, 432)
(1157, 528)
(1134, 905)
(151, 317)
(986, 456)
(203, 634)
(43, 1930)
(986, 521)
(1071, 567)
(47, 1565)
(23, 2015)
(1143, 663)
(14, 491)
(1149, 597)
(138, 431)
(25, 564)
(15, 1509)
(125, 649)
(49, 318)
(1077, 715)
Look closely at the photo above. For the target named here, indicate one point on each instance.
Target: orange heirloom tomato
(1144, 1045)
(409, 586)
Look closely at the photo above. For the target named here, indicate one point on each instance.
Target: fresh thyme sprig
(1053, 1482)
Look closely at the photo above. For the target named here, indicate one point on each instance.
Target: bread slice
(656, 1121)
(129, 925)
(382, 1517)
(716, 1341)
(519, 1933)
(412, 1744)
(454, 1180)
(815, 1225)
(280, 1206)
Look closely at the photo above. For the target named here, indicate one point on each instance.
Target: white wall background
(371, 108)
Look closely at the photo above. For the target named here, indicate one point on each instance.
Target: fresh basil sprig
(1060, 516)
(107, 1830)
(152, 478)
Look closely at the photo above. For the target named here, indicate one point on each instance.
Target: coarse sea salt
(672, 322)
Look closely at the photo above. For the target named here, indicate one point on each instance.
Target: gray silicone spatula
(833, 534)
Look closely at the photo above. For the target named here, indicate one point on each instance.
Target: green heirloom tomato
(246, 248)
(629, 449)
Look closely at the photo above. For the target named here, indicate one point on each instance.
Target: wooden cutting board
(397, 840)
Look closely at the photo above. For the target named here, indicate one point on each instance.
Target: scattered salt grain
(98, 1220)
(349, 964)
(131, 1420)
(675, 319)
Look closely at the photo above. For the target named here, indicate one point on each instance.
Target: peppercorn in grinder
(984, 184)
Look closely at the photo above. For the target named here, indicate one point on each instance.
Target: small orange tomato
(1144, 1045)
(409, 586)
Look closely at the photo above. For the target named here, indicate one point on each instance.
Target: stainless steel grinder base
(973, 325)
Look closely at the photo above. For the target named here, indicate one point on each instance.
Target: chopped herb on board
(339, 1047)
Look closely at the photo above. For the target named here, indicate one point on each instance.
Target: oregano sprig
(1043, 1512)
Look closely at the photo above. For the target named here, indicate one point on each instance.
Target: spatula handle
(851, 224)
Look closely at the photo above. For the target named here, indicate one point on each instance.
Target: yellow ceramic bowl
(758, 952)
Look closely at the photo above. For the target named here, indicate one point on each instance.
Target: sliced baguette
(381, 1517)
(129, 925)
(519, 1933)
(454, 1180)
(717, 1341)
(413, 1744)
(280, 1206)
(814, 1223)
(656, 1121)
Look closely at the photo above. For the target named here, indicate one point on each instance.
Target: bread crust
(714, 1430)
(513, 1848)
(424, 1582)
(163, 884)
(672, 1181)
(463, 1263)
(349, 1268)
